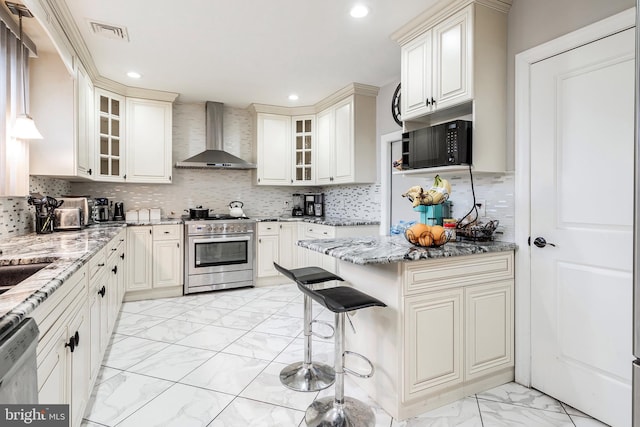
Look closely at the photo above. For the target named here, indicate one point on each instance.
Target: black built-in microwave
(446, 144)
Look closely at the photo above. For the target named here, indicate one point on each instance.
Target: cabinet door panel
(343, 147)
(433, 341)
(53, 371)
(274, 149)
(148, 141)
(488, 328)
(139, 260)
(452, 60)
(287, 249)
(167, 255)
(267, 254)
(324, 147)
(416, 76)
(80, 369)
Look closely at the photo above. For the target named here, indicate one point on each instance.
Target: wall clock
(395, 106)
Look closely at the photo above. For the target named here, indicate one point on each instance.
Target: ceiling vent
(109, 31)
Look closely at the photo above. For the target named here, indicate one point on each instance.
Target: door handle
(541, 242)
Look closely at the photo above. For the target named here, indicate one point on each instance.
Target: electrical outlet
(482, 208)
(286, 204)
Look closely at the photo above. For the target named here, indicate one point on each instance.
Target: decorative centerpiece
(422, 234)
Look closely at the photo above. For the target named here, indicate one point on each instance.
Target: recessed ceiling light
(359, 11)
(134, 75)
(293, 97)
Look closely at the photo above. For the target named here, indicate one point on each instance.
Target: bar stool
(341, 411)
(306, 375)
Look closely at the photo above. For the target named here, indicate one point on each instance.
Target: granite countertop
(67, 251)
(332, 221)
(390, 249)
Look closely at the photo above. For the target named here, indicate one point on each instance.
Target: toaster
(68, 219)
(85, 204)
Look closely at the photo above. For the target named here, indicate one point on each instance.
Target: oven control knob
(232, 228)
(209, 227)
(216, 229)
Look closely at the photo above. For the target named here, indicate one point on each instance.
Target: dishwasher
(18, 374)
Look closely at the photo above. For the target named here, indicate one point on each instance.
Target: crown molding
(134, 92)
(286, 111)
(351, 89)
(437, 13)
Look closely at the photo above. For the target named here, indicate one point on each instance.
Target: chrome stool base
(302, 376)
(326, 412)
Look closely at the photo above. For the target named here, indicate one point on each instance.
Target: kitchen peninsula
(447, 330)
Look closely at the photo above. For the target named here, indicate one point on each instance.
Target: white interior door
(582, 107)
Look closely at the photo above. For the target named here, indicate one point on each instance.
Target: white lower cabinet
(75, 325)
(154, 263)
(276, 243)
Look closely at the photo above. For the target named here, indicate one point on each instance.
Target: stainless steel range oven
(219, 254)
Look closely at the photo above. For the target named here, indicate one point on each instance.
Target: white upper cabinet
(332, 142)
(148, 145)
(436, 67)
(346, 142)
(454, 66)
(63, 108)
(274, 149)
(111, 138)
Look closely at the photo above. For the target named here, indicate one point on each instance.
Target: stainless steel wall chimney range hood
(214, 156)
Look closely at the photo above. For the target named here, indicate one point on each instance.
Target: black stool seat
(307, 275)
(341, 299)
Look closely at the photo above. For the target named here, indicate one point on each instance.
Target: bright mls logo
(34, 415)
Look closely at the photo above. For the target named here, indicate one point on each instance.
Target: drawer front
(269, 228)
(97, 262)
(115, 245)
(458, 271)
(166, 232)
(319, 231)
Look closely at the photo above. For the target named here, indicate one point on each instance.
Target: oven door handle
(222, 239)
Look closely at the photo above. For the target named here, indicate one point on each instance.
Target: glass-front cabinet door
(110, 161)
(303, 140)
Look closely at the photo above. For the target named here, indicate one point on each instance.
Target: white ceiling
(244, 51)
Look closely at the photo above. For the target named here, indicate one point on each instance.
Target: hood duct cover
(214, 156)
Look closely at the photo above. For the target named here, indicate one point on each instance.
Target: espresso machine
(314, 204)
(298, 203)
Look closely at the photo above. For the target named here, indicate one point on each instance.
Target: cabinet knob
(71, 344)
(90, 171)
(102, 291)
(115, 269)
(77, 338)
(428, 102)
(122, 256)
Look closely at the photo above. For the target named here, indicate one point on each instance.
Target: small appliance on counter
(297, 205)
(118, 211)
(84, 203)
(101, 209)
(314, 204)
(68, 219)
(434, 214)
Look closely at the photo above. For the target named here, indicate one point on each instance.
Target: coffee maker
(314, 204)
(297, 205)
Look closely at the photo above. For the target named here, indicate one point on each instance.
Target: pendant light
(24, 127)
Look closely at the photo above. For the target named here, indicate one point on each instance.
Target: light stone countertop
(391, 249)
(331, 221)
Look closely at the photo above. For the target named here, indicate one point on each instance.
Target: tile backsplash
(214, 189)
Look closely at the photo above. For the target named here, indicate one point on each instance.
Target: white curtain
(14, 154)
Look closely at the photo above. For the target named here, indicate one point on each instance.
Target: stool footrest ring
(329, 325)
(351, 371)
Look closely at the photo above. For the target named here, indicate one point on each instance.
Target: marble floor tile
(202, 314)
(139, 306)
(266, 387)
(292, 310)
(122, 395)
(282, 293)
(170, 330)
(172, 362)
(462, 413)
(259, 345)
(280, 325)
(249, 413)
(240, 319)
(166, 310)
(321, 351)
(586, 422)
(116, 337)
(226, 373)
(131, 324)
(105, 372)
(211, 337)
(231, 302)
(129, 351)
(517, 394)
(180, 406)
(497, 414)
(264, 306)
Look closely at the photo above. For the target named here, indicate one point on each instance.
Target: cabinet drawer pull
(115, 269)
(71, 344)
(122, 256)
(166, 232)
(101, 264)
(77, 337)
(102, 291)
(114, 249)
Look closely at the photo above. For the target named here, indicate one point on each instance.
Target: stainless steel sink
(11, 275)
